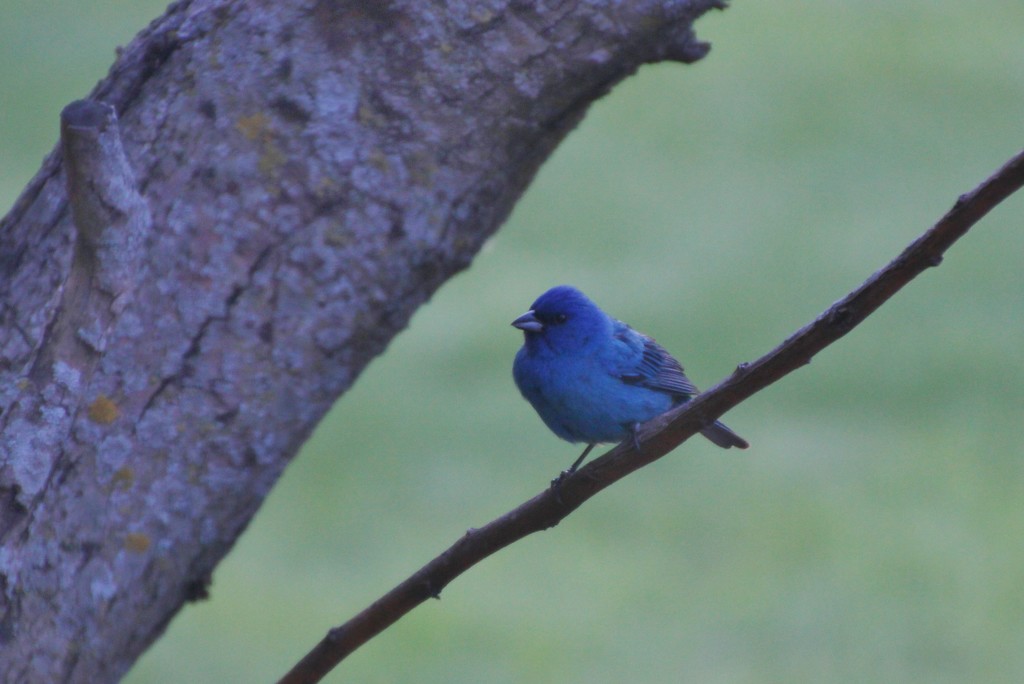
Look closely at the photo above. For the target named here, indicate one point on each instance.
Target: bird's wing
(642, 361)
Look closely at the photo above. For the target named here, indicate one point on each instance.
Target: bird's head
(564, 319)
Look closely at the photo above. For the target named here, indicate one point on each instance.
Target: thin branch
(663, 434)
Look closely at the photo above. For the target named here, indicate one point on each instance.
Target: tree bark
(207, 263)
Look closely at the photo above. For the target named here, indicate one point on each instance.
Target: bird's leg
(556, 484)
(574, 466)
(635, 434)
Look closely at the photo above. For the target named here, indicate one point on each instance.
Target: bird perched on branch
(594, 379)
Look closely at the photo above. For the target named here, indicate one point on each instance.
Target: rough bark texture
(188, 284)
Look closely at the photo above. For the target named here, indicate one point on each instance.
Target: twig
(662, 434)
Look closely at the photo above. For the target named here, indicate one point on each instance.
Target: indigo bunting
(594, 379)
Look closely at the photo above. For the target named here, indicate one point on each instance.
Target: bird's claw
(635, 433)
(556, 484)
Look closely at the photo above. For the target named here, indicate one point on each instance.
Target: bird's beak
(528, 323)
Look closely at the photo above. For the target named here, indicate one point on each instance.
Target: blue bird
(594, 379)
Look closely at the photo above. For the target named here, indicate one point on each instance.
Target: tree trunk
(203, 267)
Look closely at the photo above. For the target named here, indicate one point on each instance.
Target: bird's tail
(723, 436)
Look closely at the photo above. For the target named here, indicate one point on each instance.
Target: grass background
(874, 530)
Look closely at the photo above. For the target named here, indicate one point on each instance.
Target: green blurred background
(875, 529)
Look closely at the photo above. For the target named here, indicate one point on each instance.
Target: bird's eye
(548, 318)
